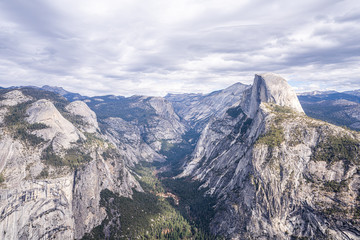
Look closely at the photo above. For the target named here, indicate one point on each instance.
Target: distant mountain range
(340, 108)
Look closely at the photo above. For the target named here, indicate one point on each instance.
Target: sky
(154, 47)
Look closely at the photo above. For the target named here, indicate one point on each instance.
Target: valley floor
(168, 208)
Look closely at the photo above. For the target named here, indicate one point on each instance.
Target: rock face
(197, 109)
(13, 98)
(276, 173)
(53, 170)
(270, 88)
(79, 108)
(165, 124)
(60, 131)
(154, 117)
(89, 182)
(128, 140)
(37, 210)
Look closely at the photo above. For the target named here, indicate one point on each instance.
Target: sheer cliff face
(128, 140)
(42, 196)
(152, 118)
(139, 126)
(197, 109)
(278, 174)
(270, 88)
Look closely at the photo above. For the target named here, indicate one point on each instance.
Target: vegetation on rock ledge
(2, 178)
(73, 158)
(273, 137)
(20, 129)
(338, 148)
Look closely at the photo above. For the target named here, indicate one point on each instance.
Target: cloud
(154, 47)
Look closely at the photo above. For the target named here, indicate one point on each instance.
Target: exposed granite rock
(60, 131)
(37, 210)
(276, 173)
(3, 113)
(128, 140)
(56, 198)
(13, 98)
(153, 116)
(163, 125)
(79, 108)
(268, 173)
(271, 88)
(32, 208)
(89, 182)
(197, 109)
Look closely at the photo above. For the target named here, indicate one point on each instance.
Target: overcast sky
(153, 47)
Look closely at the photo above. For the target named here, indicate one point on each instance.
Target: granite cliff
(196, 110)
(54, 164)
(278, 174)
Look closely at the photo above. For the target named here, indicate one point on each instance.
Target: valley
(244, 162)
(167, 209)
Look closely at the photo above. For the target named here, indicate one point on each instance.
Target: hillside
(54, 163)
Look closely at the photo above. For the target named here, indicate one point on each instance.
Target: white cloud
(154, 47)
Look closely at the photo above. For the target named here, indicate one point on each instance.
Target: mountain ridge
(256, 166)
(271, 171)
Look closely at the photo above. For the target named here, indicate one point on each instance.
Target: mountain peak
(55, 89)
(271, 88)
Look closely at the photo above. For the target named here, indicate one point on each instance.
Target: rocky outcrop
(37, 210)
(59, 130)
(197, 109)
(128, 140)
(80, 109)
(52, 170)
(32, 207)
(278, 174)
(164, 125)
(89, 181)
(270, 88)
(13, 98)
(153, 116)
